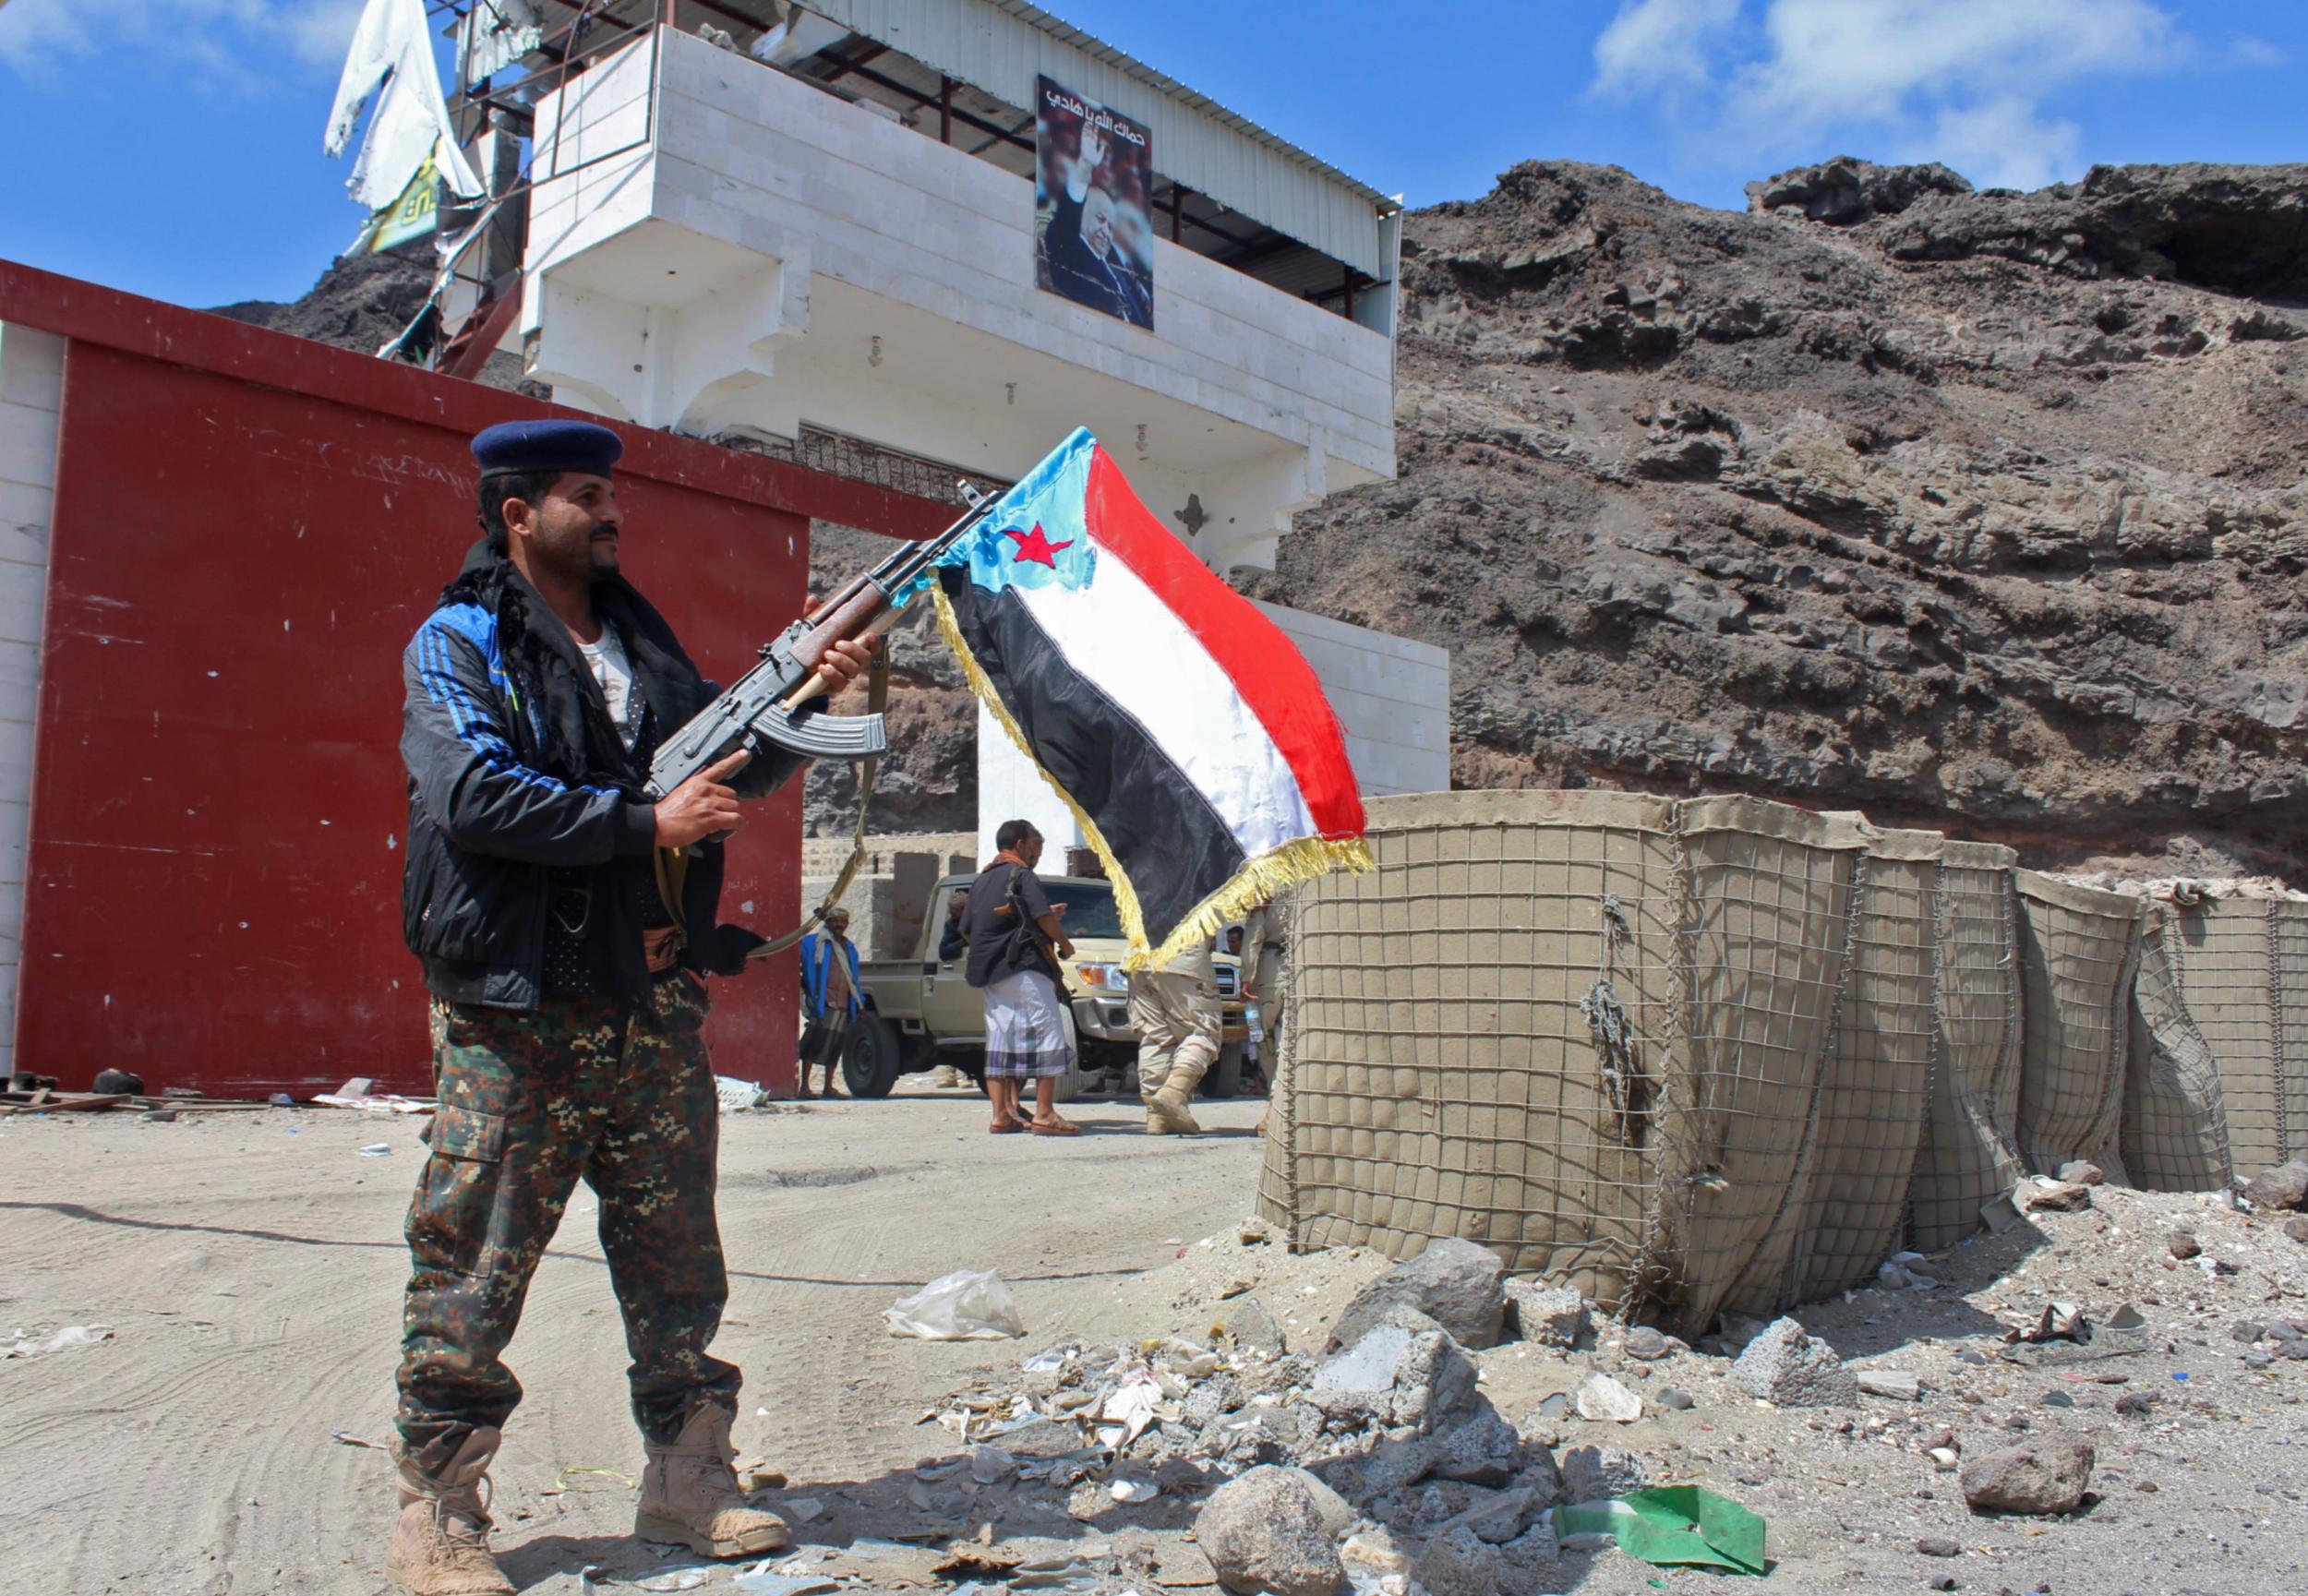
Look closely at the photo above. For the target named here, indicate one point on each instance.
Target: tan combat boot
(1166, 1113)
(690, 1494)
(441, 1543)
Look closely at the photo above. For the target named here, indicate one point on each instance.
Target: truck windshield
(1089, 908)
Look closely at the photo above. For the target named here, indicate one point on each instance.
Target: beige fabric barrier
(2243, 969)
(1478, 1033)
(2078, 950)
(1770, 908)
(1967, 1157)
(2175, 1117)
(1877, 1093)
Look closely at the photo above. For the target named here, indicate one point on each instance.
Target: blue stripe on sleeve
(437, 670)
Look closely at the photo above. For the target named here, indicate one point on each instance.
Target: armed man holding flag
(565, 962)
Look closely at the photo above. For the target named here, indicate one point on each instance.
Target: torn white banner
(392, 47)
(495, 34)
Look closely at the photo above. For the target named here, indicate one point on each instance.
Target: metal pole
(1177, 208)
(946, 108)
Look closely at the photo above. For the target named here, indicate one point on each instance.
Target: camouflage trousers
(530, 1102)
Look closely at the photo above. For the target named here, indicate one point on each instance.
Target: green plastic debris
(1675, 1525)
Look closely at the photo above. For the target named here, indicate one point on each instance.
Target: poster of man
(1093, 193)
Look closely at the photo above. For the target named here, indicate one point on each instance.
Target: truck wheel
(871, 1059)
(1224, 1078)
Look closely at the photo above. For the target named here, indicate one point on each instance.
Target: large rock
(1795, 1368)
(1265, 1532)
(2285, 1187)
(1591, 1473)
(1845, 189)
(1455, 1283)
(2047, 1476)
(1457, 1562)
(1551, 1315)
(1404, 1372)
(1484, 1450)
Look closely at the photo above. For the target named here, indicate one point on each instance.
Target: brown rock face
(929, 779)
(1984, 512)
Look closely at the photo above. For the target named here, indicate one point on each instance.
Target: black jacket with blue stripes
(516, 772)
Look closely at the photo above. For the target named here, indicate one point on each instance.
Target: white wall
(1392, 694)
(31, 398)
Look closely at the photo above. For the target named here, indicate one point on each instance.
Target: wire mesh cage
(2078, 950)
(2175, 1117)
(2243, 969)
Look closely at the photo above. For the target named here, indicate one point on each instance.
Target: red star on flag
(1033, 545)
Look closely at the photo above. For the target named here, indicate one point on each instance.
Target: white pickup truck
(921, 1013)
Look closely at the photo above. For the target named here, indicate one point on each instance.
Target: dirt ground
(249, 1268)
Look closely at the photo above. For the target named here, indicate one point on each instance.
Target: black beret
(529, 446)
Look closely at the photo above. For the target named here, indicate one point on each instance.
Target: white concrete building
(830, 230)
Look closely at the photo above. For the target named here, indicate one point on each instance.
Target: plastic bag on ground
(967, 1305)
(1675, 1525)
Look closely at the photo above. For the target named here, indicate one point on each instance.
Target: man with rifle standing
(564, 907)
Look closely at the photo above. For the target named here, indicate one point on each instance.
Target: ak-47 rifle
(773, 706)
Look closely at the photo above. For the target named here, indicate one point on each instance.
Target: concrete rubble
(1245, 1443)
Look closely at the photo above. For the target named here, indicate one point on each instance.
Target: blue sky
(173, 147)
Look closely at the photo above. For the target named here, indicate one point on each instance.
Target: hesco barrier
(1769, 902)
(1875, 1099)
(2175, 1117)
(1478, 1033)
(1967, 1157)
(2243, 969)
(1722, 1055)
(2078, 950)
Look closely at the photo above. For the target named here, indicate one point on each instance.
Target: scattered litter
(281, 1100)
(1054, 1574)
(347, 1438)
(377, 1103)
(63, 1340)
(561, 1481)
(800, 1510)
(673, 1579)
(735, 1095)
(967, 1305)
(969, 1562)
(765, 1580)
(1133, 1492)
(1674, 1526)
(1130, 1408)
(377, 1150)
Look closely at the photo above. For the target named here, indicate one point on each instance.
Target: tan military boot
(1166, 1111)
(690, 1494)
(441, 1543)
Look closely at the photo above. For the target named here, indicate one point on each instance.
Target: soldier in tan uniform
(1174, 1010)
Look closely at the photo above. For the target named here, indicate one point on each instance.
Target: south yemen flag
(1189, 737)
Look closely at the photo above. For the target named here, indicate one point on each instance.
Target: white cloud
(2004, 144)
(1964, 81)
(1654, 43)
(243, 42)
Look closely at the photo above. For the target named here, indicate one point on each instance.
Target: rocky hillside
(1983, 512)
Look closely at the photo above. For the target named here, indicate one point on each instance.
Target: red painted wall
(248, 529)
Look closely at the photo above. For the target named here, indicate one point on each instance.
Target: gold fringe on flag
(1257, 881)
